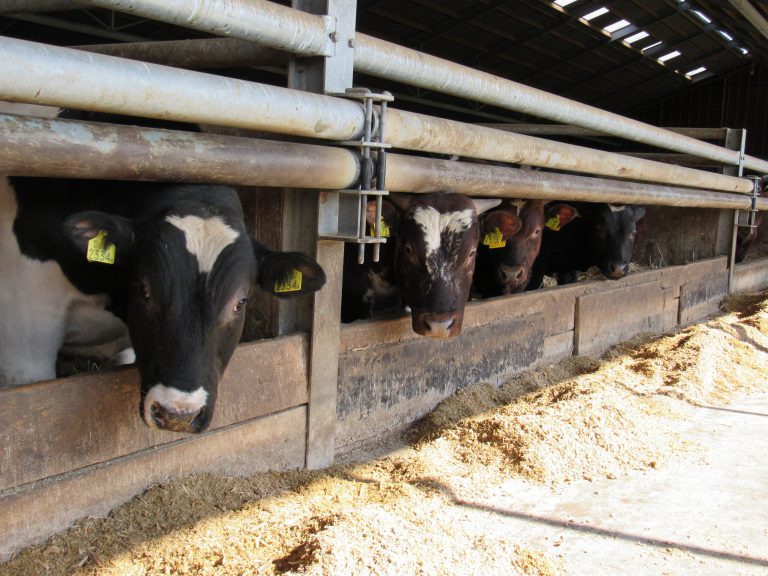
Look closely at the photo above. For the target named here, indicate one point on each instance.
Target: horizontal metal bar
(576, 131)
(416, 174)
(71, 78)
(19, 6)
(284, 28)
(267, 23)
(199, 53)
(72, 149)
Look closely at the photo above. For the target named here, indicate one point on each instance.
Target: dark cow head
(435, 258)
(613, 237)
(186, 278)
(510, 239)
(610, 232)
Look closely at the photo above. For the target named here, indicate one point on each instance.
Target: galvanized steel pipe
(415, 174)
(280, 27)
(254, 20)
(202, 53)
(70, 78)
(21, 6)
(73, 149)
(75, 79)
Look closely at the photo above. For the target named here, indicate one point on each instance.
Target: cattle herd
(160, 274)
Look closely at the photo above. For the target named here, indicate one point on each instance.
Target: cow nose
(511, 274)
(176, 420)
(439, 328)
(618, 270)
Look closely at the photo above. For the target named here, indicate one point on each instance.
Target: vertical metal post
(735, 139)
(326, 74)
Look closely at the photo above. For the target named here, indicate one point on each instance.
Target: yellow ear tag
(99, 250)
(553, 223)
(292, 283)
(494, 239)
(384, 229)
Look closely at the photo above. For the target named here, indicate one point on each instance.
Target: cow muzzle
(444, 325)
(512, 278)
(617, 270)
(167, 408)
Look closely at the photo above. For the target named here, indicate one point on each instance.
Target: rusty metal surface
(200, 53)
(66, 148)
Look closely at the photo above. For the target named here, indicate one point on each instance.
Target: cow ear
(502, 220)
(390, 214)
(287, 274)
(95, 233)
(485, 204)
(639, 213)
(558, 215)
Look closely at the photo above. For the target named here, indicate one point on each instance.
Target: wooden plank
(676, 276)
(671, 308)
(701, 297)
(670, 236)
(53, 427)
(386, 387)
(606, 318)
(556, 347)
(751, 276)
(33, 514)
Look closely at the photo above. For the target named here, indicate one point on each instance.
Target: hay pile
(404, 514)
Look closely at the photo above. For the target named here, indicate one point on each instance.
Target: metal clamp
(751, 213)
(373, 167)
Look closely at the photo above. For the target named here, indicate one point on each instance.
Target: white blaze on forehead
(434, 223)
(173, 400)
(206, 237)
(616, 208)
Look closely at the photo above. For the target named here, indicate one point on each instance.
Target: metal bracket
(343, 212)
(747, 217)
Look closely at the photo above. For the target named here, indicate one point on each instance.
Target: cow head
(185, 278)
(435, 258)
(612, 237)
(510, 239)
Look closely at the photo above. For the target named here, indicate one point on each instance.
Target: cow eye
(240, 306)
(408, 249)
(146, 293)
(536, 233)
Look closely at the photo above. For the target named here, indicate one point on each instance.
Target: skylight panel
(616, 26)
(695, 71)
(564, 3)
(744, 51)
(669, 56)
(636, 37)
(703, 17)
(725, 35)
(651, 46)
(595, 14)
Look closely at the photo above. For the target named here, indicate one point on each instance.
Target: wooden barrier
(751, 276)
(76, 447)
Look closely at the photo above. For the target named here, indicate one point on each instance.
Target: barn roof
(614, 54)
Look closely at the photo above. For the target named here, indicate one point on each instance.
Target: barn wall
(388, 377)
(751, 276)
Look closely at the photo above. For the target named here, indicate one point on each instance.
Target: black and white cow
(510, 240)
(183, 270)
(579, 235)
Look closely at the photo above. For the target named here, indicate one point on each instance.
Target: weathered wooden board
(751, 276)
(53, 427)
(385, 387)
(37, 511)
(606, 318)
(701, 297)
(670, 236)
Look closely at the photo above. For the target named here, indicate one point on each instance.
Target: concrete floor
(704, 514)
